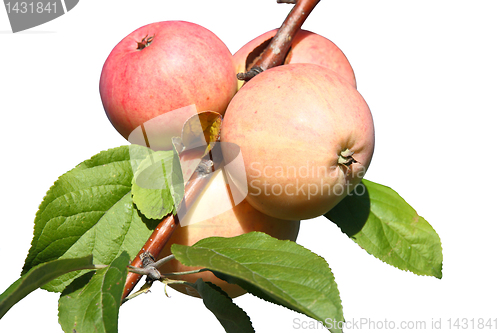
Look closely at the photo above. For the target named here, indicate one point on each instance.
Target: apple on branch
(160, 75)
(306, 136)
(306, 47)
(236, 219)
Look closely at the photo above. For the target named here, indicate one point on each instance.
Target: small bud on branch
(250, 74)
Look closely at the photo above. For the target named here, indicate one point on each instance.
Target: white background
(429, 71)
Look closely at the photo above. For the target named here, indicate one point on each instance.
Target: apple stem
(164, 230)
(145, 42)
(275, 53)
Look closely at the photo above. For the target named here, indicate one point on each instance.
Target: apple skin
(185, 68)
(307, 47)
(236, 220)
(292, 123)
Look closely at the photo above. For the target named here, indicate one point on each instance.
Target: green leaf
(91, 302)
(89, 210)
(158, 185)
(37, 277)
(278, 271)
(387, 227)
(231, 316)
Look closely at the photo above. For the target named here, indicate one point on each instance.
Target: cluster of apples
(306, 134)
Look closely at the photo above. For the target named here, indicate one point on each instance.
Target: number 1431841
(473, 323)
(31, 7)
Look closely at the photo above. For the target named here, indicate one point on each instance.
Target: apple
(306, 137)
(200, 223)
(160, 75)
(307, 47)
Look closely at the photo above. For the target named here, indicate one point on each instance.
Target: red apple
(160, 75)
(306, 137)
(307, 47)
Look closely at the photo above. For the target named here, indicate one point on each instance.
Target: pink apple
(306, 137)
(160, 75)
(307, 47)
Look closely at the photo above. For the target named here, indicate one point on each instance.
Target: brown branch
(160, 237)
(275, 53)
(155, 244)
